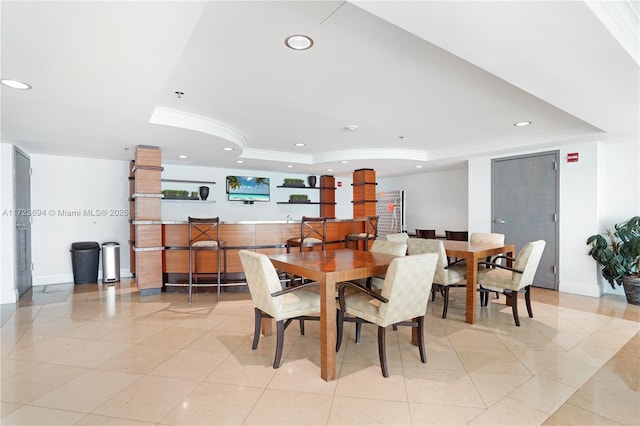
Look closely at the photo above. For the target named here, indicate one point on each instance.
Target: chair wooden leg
(218, 277)
(279, 343)
(358, 331)
(423, 352)
(382, 351)
(445, 305)
(340, 326)
(514, 306)
(368, 283)
(527, 299)
(302, 327)
(484, 298)
(433, 293)
(190, 275)
(256, 330)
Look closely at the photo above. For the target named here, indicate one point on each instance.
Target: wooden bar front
(267, 238)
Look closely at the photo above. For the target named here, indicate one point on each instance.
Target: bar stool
(204, 236)
(371, 227)
(313, 233)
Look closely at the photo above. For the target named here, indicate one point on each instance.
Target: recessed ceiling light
(419, 166)
(329, 170)
(299, 144)
(298, 42)
(240, 161)
(344, 162)
(182, 156)
(522, 123)
(15, 84)
(351, 128)
(289, 166)
(179, 94)
(228, 148)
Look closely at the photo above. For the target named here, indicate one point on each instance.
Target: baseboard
(40, 280)
(582, 290)
(7, 297)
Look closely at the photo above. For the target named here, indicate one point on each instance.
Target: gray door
(525, 207)
(22, 193)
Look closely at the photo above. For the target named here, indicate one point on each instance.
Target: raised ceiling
(427, 83)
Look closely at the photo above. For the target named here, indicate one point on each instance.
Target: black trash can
(84, 259)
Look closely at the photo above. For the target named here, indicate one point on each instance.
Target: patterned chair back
(389, 247)
(407, 286)
(262, 280)
(421, 245)
(527, 261)
(399, 238)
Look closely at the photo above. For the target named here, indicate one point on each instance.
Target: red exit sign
(572, 157)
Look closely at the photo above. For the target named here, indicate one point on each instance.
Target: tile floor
(101, 355)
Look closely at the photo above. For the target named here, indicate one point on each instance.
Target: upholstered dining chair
(446, 276)
(457, 235)
(402, 301)
(271, 301)
(385, 247)
(487, 237)
(313, 233)
(204, 235)
(370, 234)
(511, 280)
(401, 237)
(426, 233)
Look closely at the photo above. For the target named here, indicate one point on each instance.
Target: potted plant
(294, 182)
(618, 254)
(298, 198)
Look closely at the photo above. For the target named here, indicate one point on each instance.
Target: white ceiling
(450, 78)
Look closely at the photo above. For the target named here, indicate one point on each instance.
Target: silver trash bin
(110, 262)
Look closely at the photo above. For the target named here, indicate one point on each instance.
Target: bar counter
(266, 237)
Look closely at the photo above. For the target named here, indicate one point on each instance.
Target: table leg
(472, 283)
(328, 328)
(266, 325)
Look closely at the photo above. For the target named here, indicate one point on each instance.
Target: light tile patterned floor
(101, 355)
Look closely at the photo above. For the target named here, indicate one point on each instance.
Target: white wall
(595, 193)
(435, 200)
(582, 196)
(231, 211)
(620, 184)
(73, 190)
(84, 200)
(8, 292)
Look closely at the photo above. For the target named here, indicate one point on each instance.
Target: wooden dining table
(474, 252)
(330, 267)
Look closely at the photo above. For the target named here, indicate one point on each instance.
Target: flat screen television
(248, 188)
